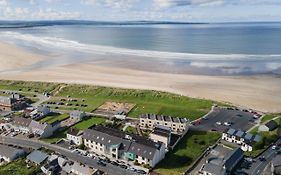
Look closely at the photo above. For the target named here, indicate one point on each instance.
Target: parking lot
(221, 119)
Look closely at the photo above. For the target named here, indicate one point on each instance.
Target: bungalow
(245, 140)
(74, 136)
(77, 115)
(269, 126)
(9, 154)
(37, 157)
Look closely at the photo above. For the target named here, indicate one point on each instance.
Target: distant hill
(24, 24)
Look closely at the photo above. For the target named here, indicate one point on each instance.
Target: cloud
(111, 3)
(41, 14)
(174, 3)
(3, 3)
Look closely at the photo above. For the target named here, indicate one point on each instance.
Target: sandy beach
(13, 58)
(262, 93)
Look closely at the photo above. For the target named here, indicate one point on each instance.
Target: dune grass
(146, 101)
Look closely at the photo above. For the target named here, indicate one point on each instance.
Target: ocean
(212, 49)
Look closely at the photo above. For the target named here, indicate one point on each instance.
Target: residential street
(258, 166)
(110, 169)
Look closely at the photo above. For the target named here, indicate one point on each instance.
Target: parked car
(114, 163)
(141, 172)
(227, 124)
(218, 123)
(101, 163)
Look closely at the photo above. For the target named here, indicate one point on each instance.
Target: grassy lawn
(18, 167)
(56, 137)
(132, 130)
(85, 124)
(269, 117)
(146, 101)
(27, 86)
(59, 118)
(188, 150)
(268, 139)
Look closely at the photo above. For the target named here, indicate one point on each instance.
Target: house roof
(37, 157)
(164, 118)
(76, 113)
(240, 134)
(161, 131)
(37, 125)
(74, 132)
(276, 161)
(231, 131)
(42, 108)
(6, 100)
(214, 169)
(271, 125)
(232, 157)
(248, 136)
(82, 169)
(21, 121)
(8, 151)
(128, 142)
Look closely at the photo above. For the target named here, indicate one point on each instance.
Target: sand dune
(258, 92)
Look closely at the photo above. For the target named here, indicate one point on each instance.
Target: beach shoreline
(262, 93)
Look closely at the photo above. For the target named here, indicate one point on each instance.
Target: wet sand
(262, 93)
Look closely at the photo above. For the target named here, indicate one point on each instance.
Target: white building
(21, 124)
(161, 134)
(44, 130)
(9, 154)
(77, 115)
(43, 110)
(118, 145)
(176, 124)
(74, 136)
(245, 140)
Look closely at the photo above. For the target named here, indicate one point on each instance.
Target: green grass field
(146, 101)
(85, 124)
(18, 167)
(187, 151)
(58, 118)
(269, 117)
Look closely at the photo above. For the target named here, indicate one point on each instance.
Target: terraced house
(116, 145)
(245, 140)
(176, 124)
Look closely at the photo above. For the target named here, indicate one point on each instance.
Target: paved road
(258, 166)
(110, 169)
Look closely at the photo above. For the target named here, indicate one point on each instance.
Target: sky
(132, 10)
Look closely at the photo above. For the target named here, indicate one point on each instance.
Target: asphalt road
(258, 166)
(110, 169)
(240, 120)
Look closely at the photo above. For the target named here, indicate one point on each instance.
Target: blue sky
(126, 10)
